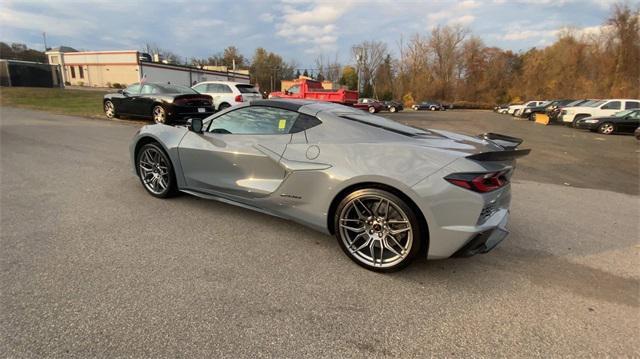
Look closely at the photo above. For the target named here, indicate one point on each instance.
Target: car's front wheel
(372, 109)
(392, 109)
(155, 171)
(159, 114)
(606, 128)
(110, 109)
(377, 230)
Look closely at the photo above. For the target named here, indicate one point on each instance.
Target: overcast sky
(297, 29)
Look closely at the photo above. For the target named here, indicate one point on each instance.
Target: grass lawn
(66, 102)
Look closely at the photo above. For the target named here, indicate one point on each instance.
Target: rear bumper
(182, 113)
(485, 241)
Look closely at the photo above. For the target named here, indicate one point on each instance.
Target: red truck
(312, 90)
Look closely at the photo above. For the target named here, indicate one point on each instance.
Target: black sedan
(623, 121)
(429, 105)
(393, 106)
(164, 103)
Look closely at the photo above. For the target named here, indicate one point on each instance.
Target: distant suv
(571, 115)
(226, 94)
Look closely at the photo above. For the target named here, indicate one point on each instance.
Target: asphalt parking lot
(92, 266)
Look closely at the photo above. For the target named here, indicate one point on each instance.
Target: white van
(226, 94)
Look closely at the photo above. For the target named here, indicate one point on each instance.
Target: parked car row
(603, 116)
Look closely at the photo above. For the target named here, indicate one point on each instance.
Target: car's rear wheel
(110, 109)
(606, 128)
(392, 109)
(432, 108)
(377, 230)
(155, 171)
(159, 114)
(372, 109)
(223, 106)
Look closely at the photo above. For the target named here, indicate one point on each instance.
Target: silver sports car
(387, 191)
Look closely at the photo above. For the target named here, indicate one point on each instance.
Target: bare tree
(369, 55)
(445, 43)
(328, 68)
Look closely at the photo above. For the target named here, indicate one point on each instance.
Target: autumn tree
(268, 69)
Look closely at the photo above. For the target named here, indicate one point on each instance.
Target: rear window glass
(595, 103)
(381, 122)
(162, 88)
(246, 89)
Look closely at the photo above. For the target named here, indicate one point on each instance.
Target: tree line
(450, 64)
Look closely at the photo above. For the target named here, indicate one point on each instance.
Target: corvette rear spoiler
(505, 155)
(504, 141)
(507, 142)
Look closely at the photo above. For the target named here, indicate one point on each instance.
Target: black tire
(223, 106)
(372, 109)
(415, 234)
(159, 115)
(606, 128)
(110, 109)
(432, 108)
(392, 109)
(532, 117)
(171, 188)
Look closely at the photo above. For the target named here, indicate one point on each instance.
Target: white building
(112, 68)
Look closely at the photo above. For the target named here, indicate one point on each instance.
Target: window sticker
(282, 124)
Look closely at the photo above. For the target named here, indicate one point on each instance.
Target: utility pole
(44, 37)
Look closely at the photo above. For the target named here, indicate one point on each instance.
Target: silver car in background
(387, 191)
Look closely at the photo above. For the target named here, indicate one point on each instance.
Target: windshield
(168, 88)
(247, 89)
(623, 113)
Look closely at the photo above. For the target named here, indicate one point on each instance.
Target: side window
(294, 89)
(255, 120)
(201, 88)
(630, 105)
(613, 105)
(147, 90)
(133, 89)
(225, 88)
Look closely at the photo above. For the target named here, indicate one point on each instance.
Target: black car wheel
(159, 114)
(155, 171)
(110, 109)
(372, 109)
(223, 106)
(377, 230)
(606, 128)
(392, 109)
(432, 108)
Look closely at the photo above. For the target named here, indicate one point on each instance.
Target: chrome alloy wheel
(159, 115)
(109, 109)
(376, 231)
(154, 171)
(606, 129)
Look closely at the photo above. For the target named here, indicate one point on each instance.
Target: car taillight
(479, 182)
(239, 98)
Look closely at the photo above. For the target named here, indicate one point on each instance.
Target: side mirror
(195, 125)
